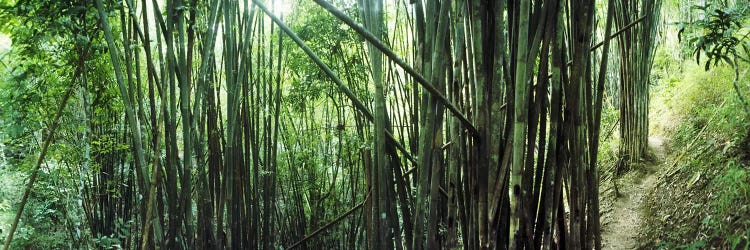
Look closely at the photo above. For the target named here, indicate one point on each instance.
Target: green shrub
(702, 201)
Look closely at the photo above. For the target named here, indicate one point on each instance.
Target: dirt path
(622, 231)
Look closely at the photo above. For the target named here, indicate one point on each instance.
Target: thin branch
(329, 224)
(357, 103)
(40, 160)
(620, 31)
(406, 67)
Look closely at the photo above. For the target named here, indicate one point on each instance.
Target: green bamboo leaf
(727, 60)
(708, 65)
(701, 7)
(698, 56)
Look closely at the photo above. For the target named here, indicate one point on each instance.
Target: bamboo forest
(374, 124)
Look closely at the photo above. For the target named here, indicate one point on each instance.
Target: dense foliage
(369, 124)
(700, 199)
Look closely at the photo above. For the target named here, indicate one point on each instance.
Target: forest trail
(622, 232)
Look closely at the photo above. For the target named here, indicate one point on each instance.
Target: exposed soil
(622, 229)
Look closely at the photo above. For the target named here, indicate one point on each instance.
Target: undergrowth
(702, 197)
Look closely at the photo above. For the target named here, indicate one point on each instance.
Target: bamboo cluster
(424, 124)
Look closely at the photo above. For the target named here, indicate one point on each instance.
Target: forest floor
(625, 222)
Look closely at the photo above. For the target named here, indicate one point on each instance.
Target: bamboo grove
(636, 47)
(218, 124)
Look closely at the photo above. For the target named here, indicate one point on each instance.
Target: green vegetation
(374, 124)
(702, 195)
